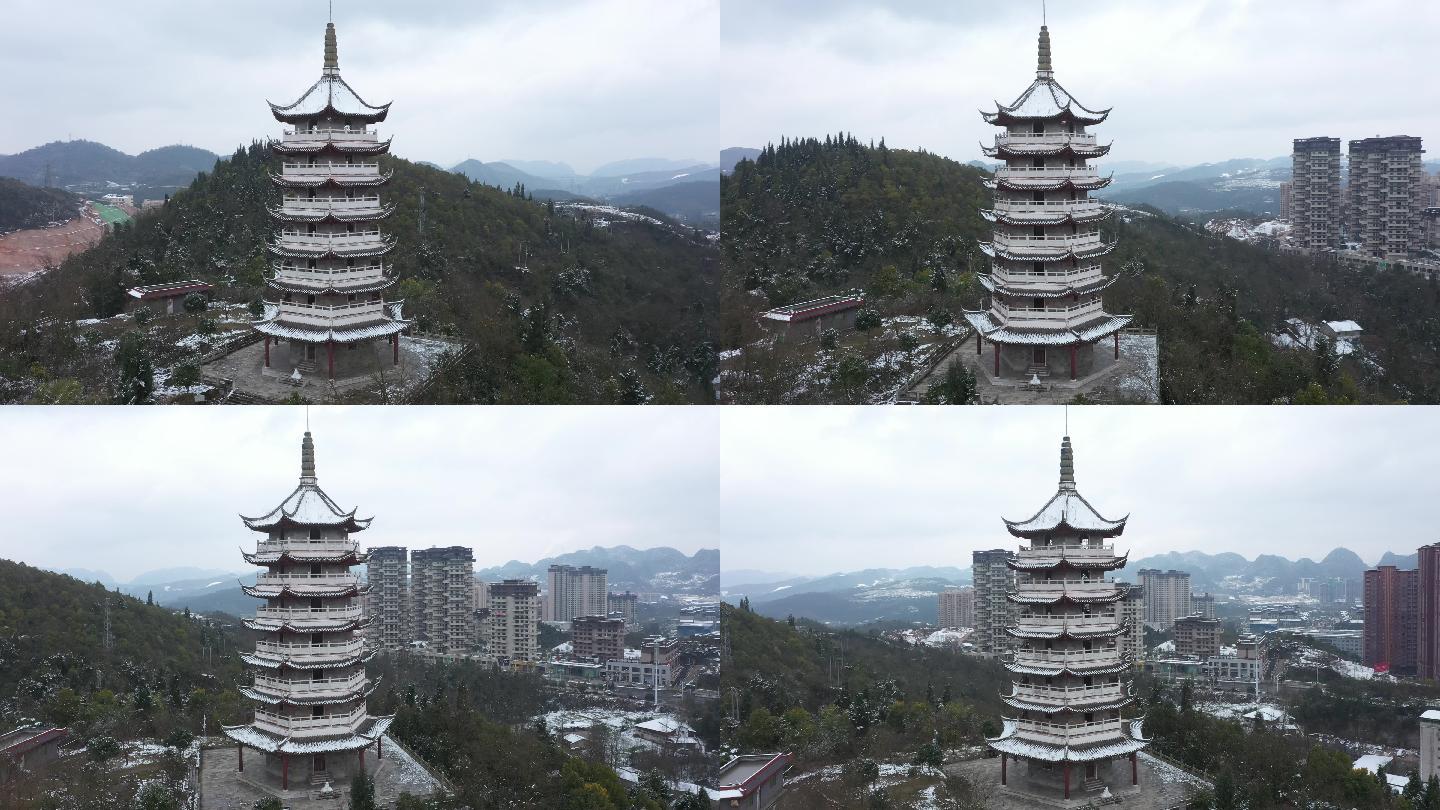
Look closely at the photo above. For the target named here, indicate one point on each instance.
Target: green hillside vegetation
(810, 218)
(161, 672)
(24, 206)
(605, 314)
(841, 696)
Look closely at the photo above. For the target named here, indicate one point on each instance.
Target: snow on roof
(1045, 98)
(307, 505)
(997, 332)
(1430, 714)
(1344, 326)
(663, 725)
(1372, 762)
(168, 289)
(330, 92)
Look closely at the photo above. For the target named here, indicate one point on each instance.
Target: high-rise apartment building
(388, 573)
(442, 588)
(1198, 636)
(994, 580)
(514, 621)
(1427, 657)
(1203, 605)
(1315, 202)
(1132, 615)
(957, 607)
(601, 638)
(624, 605)
(1392, 607)
(1167, 596)
(576, 591)
(1386, 195)
(1287, 197)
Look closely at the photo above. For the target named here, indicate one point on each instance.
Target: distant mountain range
(735, 154)
(688, 191)
(650, 570)
(910, 594)
(89, 167)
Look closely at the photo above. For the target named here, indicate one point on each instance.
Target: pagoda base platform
(223, 787)
(1162, 786)
(242, 376)
(1133, 378)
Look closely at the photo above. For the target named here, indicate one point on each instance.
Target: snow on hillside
(1244, 230)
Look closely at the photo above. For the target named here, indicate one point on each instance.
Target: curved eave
(1072, 598)
(278, 518)
(368, 732)
(311, 591)
(1114, 563)
(339, 289)
(341, 182)
(280, 215)
(991, 215)
(328, 83)
(269, 662)
(331, 252)
(1078, 671)
(271, 699)
(356, 557)
(346, 147)
(385, 328)
(1009, 184)
(1063, 291)
(1009, 150)
(1071, 632)
(1076, 707)
(1011, 742)
(997, 332)
(994, 252)
(276, 625)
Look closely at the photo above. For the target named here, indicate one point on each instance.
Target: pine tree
(150, 598)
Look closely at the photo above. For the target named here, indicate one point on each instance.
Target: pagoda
(310, 686)
(1068, 684)
(1046, 314)
(330, 276)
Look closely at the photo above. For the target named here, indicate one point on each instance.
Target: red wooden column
(285, 773)
(379, 748)
(1067, 780)
(1134, 769)
(361, 752)
(979, 343)
(330, 350)
(1072, 361)
(997, 358)
(240, 751)
(395, 340)
(1003, 758)
(267, 351)
(1117, 345)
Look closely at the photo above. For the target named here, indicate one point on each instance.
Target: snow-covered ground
(621, 723)
(1244, 230)
(605, 214)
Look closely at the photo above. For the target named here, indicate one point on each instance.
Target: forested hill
(24, 206)
(812, 217)
(610, 309)
(57, 664)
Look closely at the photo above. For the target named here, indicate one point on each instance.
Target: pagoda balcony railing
(1048, 245)
(1064, 239)
(1053, 317)
(330, 169)
(1070, 734)
(1028, 274)
(1003, 202)
(304, 649)
(357, 134)
(323, 316)
(325, 238)
(1032, 172)
(328, 613)
(305, 576)
(1054, 620)
(1058, 553)
(330, 203)
(309, 243)
(307, 687)
(339, 545)
(1076, 138)
(1100, 656)
(1069, 582)
(1042, 210)
(306, 726)
(333, 275)
(1061, 695)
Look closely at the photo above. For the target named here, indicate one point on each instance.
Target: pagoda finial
(307, 459)
(1067, 465)
(1045, 69)
(332, 50)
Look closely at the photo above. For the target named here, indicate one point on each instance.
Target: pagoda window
(1039, 230)
(1038, 127)
(319, 711)
(317, 638)
(1039, 268)
(349, 262)
(1089, 681)
(311, 264)
(1089, 716)
(317, 675)
(309, 299)
(349, 227)
(1038, 163)
(1037, 196)
(310, 228)
(350, 299)
(317, 603)
(315, 569)
(1039, 303)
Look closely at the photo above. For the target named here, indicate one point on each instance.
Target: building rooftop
(169, 289)
(809, 310)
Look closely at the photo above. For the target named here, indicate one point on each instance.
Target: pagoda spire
(1045, 69)
(332, 50)
(1067, 465)
(307, 460)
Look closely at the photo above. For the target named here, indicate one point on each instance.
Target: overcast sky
(821, 490)
(1191, 82)
(582, 81)
(129, 490)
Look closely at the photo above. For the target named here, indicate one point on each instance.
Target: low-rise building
(598, 638)
(813, 318)
(27, 750)
(751, 782)
(1429, 744)
(163, 299)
